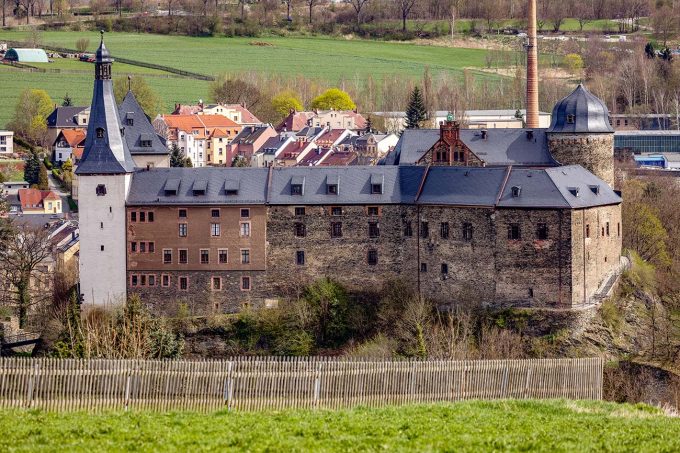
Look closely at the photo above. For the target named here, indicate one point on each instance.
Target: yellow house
(34, 201)
(217, 152)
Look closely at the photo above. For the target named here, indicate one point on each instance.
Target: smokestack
(532, 69)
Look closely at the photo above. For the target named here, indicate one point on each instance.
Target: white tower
(104, 176)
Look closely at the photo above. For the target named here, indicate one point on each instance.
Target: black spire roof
(105, 150)
(139, 133)
(581, 112)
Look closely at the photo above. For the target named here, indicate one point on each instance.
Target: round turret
(580, 134)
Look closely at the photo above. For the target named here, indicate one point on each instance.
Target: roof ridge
(549, 172)
(505, 183)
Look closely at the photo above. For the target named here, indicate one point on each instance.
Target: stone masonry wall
(593, 152)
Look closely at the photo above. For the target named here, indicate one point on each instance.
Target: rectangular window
(222, 256)
(372, 210)
(182, 213)
(336, 229)
(607, 228)
(372, 257)
(142, 280)
(300, 210)
(618, 229)
(513, 232)
(183, 283)
(445, 269)
(376, 188)
(133, 247)
(542, 232)
(216, 283)
(245, 213)
(300, 230)
(444, 230)
(245, 229)
(133, 216)
(183, 230)
(588, 231)
(214, 229)
(183, 256)
(134, 280)
(373, 230)
(152, 280)
(167, 256)
(149, 216)
(142, 216)
(467, 231)
(165, 280)
(408, 229)
(245, 256)
(214, 213)
(424, 230)
(152, 247)
(205, 256)
(300, 258)
(423, 267)
(332, 189)
(245, 283)
(142, 247)
(336, 210)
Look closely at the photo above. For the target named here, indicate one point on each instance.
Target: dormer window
(100, 132)
(332, 185)
(573, 190)
(376, 184)
(297, 185)
(101, 190)
(231, 187)
(200, 187)
(171, 186)
(571, 119)
(595, 189)
(516, 191)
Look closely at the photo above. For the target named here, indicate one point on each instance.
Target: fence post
(506, 376)
(128, 381)
(317, 385)
(31, 385)
(526, 383)
(228, 386)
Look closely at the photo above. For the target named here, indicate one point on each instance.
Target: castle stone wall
(593, 152)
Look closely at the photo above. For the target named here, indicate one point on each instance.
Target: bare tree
(289, 4)
(358, 6)
(4, 13)
(311, 4)
(22, 256)
(405, 7)
(665, 23)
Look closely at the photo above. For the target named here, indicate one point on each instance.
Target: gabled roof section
(74, 137)
(517, 147)
(462, 186)
(141, 129)
(62, 117)
(592, 191)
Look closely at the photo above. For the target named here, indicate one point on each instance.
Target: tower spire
(532, 69)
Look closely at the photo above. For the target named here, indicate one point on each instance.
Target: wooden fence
(251, 384)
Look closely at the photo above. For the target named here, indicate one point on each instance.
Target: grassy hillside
(329, 60)
(470, 426)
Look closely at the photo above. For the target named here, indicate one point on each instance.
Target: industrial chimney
(532, 69)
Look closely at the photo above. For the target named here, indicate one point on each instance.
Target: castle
(512, 217)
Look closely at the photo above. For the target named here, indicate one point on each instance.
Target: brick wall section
(593, 152)
(344, 259)
(597, 255)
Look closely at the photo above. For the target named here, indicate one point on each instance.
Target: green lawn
(548, 426)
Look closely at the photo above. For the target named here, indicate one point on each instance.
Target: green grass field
(549, 426)
(329, 60)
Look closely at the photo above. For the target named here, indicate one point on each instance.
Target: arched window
(441, 154)
(100, 132)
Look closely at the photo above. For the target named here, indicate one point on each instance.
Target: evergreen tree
(416, 113)
(67, 102)
(178, 159)
(649, 50)
(32, 170)
(666, 55)
(43, 181)
(369, 125)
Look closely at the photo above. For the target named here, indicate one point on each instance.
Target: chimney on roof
(485, 134)
(532, 68)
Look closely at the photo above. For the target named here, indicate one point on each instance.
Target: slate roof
(466, 186)
(141, 128)
(249, 134)
(501, 146)
(580, 112)
(149, 186)
(62, 117)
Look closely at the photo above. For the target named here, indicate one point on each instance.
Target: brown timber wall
(252, 384)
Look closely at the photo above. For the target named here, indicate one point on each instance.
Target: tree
(67, 166)
(32, 169)
(573, 62)
(227, 90)
(665, 23)
(239, 161)
(30, 115)
(82, 44)
(43, 180)
(178, 158)
(289, 4)
(66, 102)
(21, 256)
(333, 98)
(286, 101)
(650, 52)
(145, 95)
(405, 7)
(311, 4)
(416, 112)
(358, 6)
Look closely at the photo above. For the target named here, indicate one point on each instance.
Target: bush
(611, 314)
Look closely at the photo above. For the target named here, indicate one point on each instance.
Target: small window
(182, 213)
(214, 213)
(216, 283)
(165, 280)
(296, 189)
(205, 256)
(214, 229)
(245, 256)
(444, 230)
(300, 210)
(373, 210)
(142, 280)
(372, 257)
(408, 229)
(149, 217)
(336, 210)
(183, 228)
(424, 230)
(445, 269)
(373, 230)
(100, 132)
(167, 256)
(516, 191)
(142, 216)
(336, 229)
(101, 225)
(607, 228)
(223, 256)
(133, 247)
(245, 213)
(587, 231)
(300, 230)
(376, 189)
(514, 232)
(133, 216)
(244, 229)
(152, 247)
(423, 267)
(572, 118)
(245, 283)
(300, 258)
(542, 232)
(183, 283)
(467, 231)
(101, 190)
(134, 280)
(142, 247)
(332, 189)
(618, 229)
(101, 248)
(183, 256)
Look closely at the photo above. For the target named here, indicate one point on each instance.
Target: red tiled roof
(246, 115)
(313, 157)
(33, 198)
(340, 158)
(295, 121)
(74, 137)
